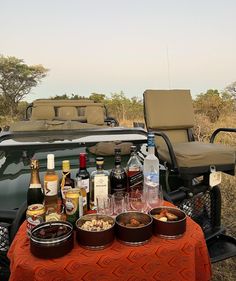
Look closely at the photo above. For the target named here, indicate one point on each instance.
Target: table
(183, 259)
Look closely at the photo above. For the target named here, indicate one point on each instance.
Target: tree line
(17, 80)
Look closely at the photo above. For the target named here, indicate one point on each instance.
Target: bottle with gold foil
(35, 192)
(50, 185)
(66, 182)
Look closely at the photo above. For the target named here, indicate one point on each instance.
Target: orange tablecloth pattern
(183, 259)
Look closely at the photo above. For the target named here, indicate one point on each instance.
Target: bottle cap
(65, 165)
(50, 161)
(99, 160)
(34, 164)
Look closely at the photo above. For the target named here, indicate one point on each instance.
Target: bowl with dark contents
(133, 228)
(168, 222)
(52, 239)
(95, 231)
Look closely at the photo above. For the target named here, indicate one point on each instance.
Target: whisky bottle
(118, 177)
(100, 185)
(66, 181)
(134, 172)
(35, 191)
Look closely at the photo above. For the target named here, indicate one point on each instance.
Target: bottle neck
(35, 177)
(151, 150)
(82, 161)
(99, 167)
(66, 174)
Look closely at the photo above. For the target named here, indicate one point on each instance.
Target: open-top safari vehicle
(65, 128)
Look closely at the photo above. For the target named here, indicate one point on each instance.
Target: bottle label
(151, 140)
(64, 189)
(100, 186)
(85, 184)
(50, 188)
(35, 185)
(135, 180)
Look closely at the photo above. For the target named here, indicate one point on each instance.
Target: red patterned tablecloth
(183, 259)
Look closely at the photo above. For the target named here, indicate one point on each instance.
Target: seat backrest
(170, 111)
(67, 113)
(95, 115)
(45, 112)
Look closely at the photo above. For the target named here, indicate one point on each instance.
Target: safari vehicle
(186, 165)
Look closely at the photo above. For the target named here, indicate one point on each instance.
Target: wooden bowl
(169, 229)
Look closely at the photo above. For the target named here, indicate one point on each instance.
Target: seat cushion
(198, 154)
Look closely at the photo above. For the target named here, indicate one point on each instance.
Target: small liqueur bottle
(50, 186)
(82, 177)
(83, 194)
(100, 185)
(134, 172)
(66, 181)
(35, 191)
(118, 177)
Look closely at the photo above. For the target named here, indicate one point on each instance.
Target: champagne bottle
(35, 192)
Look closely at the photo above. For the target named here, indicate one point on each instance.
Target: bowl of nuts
(168, 222)
(133, 228)
(95, 231)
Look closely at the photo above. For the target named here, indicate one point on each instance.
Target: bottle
(50, 186)
(100, 185)
(134, 172)
(118, 177)
(151, 165)
(35, 191)
(82, 178)
(83, 195)
(66, 181)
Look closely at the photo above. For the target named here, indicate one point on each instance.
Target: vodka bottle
(151, 165)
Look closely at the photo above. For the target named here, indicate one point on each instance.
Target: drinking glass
(105, 205)
(154, 197)
(137, 201)
(120, 200)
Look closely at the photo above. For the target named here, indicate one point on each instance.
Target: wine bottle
(35, 191)
(82, 178)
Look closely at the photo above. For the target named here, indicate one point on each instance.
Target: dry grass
(226, 270)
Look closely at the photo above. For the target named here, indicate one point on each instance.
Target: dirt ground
(226, 270)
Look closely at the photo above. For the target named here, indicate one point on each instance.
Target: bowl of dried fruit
(133, 228)
(95, 231)
(168, 222)
(52, 239)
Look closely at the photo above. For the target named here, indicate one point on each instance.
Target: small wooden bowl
(169, 229)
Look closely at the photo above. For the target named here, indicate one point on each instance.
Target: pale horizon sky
(109, 46)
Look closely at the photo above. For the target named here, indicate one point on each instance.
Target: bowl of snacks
(133, 228)
(95, 231)
(52, 239)
(168, 222)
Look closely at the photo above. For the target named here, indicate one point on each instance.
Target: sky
(108, 46)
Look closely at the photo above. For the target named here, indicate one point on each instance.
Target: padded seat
(170, 115)
(45, 112)
(197, 154)
(95, 115)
